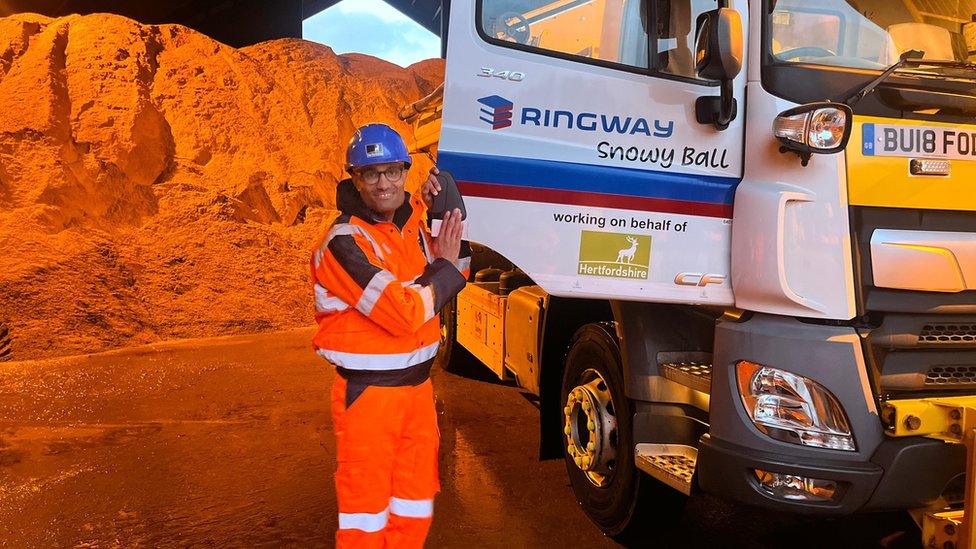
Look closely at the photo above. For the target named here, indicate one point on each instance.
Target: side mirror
(719, 48)
(448, 199)
(719, 45)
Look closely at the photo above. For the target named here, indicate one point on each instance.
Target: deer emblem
(628, 252)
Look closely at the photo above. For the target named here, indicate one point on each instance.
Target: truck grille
(927, 353)
(948, 333)
(941, 376)
(926, 342)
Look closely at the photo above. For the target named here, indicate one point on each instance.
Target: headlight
(793, 408)
(822, 128)
(827, 128)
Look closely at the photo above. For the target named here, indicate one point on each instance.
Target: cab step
(691, 369)
(672, 464)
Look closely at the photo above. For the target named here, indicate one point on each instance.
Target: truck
(730, 245)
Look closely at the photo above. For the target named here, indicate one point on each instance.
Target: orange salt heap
(157, 184)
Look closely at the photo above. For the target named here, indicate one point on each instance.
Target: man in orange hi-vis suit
(379, 280)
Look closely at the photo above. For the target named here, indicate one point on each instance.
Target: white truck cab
(728, 244)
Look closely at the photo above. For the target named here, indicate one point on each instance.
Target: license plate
(918, 142)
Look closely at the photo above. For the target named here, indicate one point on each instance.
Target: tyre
(6, 345)
(448, 318)
(599, 445)
(451, 355)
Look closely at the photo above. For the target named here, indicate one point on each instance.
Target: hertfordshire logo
(614, 255)
(497, 111)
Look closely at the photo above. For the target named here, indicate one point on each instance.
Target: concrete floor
(227, 443)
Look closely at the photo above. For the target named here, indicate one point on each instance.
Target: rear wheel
(598, 430)
(452, 356)
(446, 353)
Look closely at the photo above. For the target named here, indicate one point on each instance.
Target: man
(380, 279)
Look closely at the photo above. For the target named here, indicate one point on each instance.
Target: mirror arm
(727, 112)
(719, 111)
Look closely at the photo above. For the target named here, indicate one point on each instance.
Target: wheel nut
(591, 446)
(591, 426)
(587, 405)
(567, 410)
(912, 423)
(568, 430)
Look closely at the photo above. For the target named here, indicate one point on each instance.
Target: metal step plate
(672, 464)
(691, 373)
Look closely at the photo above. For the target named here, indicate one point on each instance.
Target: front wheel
(599, 442)
(452, 356)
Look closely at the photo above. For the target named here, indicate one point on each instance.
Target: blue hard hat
(375, 144)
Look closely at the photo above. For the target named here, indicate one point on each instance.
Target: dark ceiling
(425, 12)
(233, 22)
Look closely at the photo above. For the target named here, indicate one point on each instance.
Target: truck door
(570, 126)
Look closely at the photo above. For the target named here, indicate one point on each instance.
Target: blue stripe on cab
(548, 174)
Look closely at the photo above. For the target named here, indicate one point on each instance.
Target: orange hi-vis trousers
(387, 442)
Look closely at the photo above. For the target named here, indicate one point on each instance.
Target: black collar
(349, 202)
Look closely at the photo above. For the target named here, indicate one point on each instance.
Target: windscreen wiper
(909, 57)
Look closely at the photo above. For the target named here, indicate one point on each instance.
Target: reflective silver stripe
(463, 263)
(412, 508)
(367, 522)
(374, 361)
(346, 229)
(325, 303)
(373, 292)
(426, 297)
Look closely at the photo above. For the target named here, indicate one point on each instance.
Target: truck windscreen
(827, 49)
(870, 34)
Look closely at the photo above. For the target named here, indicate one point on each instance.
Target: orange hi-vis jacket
(377, 293)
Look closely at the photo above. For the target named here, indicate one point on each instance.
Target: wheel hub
(590, 427)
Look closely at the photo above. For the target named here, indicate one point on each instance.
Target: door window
(615, 32)
(676, 27)
(605, 30)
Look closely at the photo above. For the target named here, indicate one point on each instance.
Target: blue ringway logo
(496, 111)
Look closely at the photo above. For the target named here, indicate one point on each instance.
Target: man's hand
(447, 243)
(431, 187)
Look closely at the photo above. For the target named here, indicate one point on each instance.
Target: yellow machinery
(425, 116)
(953, 420)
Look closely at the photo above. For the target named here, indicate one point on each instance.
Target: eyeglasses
(372, 176)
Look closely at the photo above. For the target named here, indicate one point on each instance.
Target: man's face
(381, 187)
